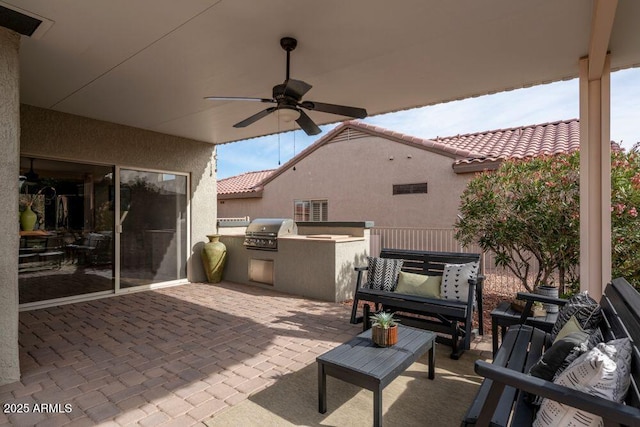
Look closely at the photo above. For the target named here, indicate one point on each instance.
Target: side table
(504, 316)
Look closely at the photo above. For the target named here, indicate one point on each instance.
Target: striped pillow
(584, 308)
(383, 273)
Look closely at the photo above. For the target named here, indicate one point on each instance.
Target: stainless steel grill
(263, 233)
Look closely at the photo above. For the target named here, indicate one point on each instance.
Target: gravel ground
(497, 289)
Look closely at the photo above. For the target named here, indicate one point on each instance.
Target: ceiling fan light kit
(288, 115)
(288, 99)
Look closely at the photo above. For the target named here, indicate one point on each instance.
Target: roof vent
(23, 22)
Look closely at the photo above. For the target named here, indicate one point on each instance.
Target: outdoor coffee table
(360, 362)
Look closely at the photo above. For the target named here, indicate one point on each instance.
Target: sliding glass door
(152, 227)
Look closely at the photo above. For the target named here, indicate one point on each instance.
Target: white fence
(498, 279)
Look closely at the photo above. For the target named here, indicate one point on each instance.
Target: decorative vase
(384, 337)
(549, 291)
(28, 219)
(214, 256)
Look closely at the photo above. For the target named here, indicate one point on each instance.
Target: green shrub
(529, 209)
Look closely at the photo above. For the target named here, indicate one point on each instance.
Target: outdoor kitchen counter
(319, 266)
(326, 238)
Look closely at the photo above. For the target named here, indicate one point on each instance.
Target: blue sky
(534, 105)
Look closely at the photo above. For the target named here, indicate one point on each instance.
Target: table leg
(377, 407)
(432, 361)
(322, 389)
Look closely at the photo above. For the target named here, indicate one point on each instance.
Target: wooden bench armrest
(526, 296)
(611, 412)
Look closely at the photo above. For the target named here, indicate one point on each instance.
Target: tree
(529, 210)
(526, 211)
(625, 222)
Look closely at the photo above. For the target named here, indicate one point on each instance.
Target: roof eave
(476, 166)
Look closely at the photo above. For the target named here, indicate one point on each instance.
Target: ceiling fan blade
(246, 122)
(238, 98)
(296, 88)
(307, 125)
(343, 110)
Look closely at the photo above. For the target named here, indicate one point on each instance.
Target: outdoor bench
(452, 319)
(502, 398)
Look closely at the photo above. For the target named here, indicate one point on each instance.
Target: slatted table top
(360, 355)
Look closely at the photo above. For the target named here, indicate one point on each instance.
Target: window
(410, 188)
(310, 210)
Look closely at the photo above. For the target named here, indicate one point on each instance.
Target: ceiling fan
(288, 99)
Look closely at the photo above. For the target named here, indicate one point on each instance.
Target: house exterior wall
(357, 177)
(60, 136)
(9, 171)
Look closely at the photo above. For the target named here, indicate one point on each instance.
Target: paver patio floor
(173, 356)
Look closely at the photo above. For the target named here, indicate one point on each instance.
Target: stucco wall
(9, 170)
(357, 178)
(62, 136)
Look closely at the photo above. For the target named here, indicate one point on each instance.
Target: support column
(595, 179)
(9, 171)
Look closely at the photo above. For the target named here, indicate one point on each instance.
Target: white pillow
(603, 371)
(455, 281)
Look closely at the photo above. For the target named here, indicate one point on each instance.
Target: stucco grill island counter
(317, 263)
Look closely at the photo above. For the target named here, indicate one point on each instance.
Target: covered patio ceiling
(149, 63)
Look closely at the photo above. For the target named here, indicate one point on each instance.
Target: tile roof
(245, 183)
(469, 152)
(526, 141)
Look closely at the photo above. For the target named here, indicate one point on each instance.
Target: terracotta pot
(384, 337)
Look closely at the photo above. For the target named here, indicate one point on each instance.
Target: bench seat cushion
(419, 284)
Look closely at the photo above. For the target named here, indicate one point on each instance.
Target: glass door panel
(68, 252)
(152, 227)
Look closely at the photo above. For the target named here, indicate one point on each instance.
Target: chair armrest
(610, 411)
(365, 268)
(541, 298)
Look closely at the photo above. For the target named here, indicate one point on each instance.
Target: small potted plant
(538, 309)
(384, 329)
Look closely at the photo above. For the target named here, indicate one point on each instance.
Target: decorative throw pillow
(383, 273)
(585, 309)
(571, 326)
(455, 281)
(419, 284)
(603, 371)
(595, 338)
(553, 358)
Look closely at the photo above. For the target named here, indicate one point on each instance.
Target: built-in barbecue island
(311, 259)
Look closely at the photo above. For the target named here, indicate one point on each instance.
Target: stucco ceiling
(149, 63)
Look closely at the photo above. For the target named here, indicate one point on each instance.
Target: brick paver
(174, 356)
